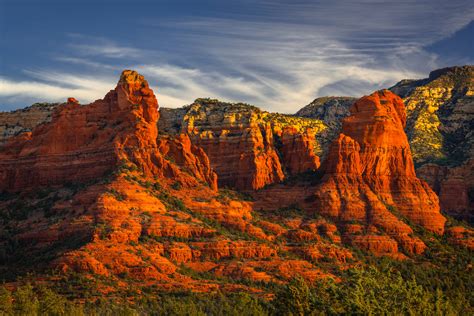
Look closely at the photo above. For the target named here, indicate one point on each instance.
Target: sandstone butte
(369, 175)
(439, 128)
(113, 196)
(369, 184)
(85, 142)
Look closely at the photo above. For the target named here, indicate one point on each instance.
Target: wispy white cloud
(187, 84)
(420, 21)
(102, 47)
(279, 55)
(106, 50)
(279, 66)
(85, 62)
(53, 88)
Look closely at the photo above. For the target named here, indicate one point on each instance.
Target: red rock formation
(370, 177)
(453, 185)
(148, 203)
(72, 100)
(461, 236)
(297, 150)
(83, 143)
(186, 155)
(248, 148)
(246, 162)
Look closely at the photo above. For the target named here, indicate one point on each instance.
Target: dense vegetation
(384, 287)
(439, 282)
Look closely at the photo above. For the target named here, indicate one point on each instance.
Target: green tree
(6, 304)
(51, 303)
(26, 301)
(375, 292)
(328, 298)
(295, 299)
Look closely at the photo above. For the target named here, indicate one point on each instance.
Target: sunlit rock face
(106, 193)
(370, 176)
(439, 128)
(113, 188)
(247, 147)
(440, 112)
(82, 143)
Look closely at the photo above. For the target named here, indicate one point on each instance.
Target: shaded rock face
(248, 148)
(83, 143)
(330, 110)
(440, 122)
(370, 177)
(296, 149)
(24, 120)
(454, 186)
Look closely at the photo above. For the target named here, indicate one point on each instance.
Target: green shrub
(26, 301)
(116, 194)
(6, 302)
(295, 299)
(176, 186)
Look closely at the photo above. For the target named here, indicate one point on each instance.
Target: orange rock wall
(370, 178)
(248, 148)
(83, 143)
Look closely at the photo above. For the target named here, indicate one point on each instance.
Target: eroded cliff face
(439, 124)
(440, 117)
(247, 147)
(367, 185)
(454, 186)
(100, 191)
(81, 143)
(186, 155)
(369, 181)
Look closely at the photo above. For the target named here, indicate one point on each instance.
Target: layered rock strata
(83, 143)
(98, 190)
(370, 177)
(248, 148)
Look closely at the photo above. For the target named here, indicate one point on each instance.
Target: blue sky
(278, 55)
